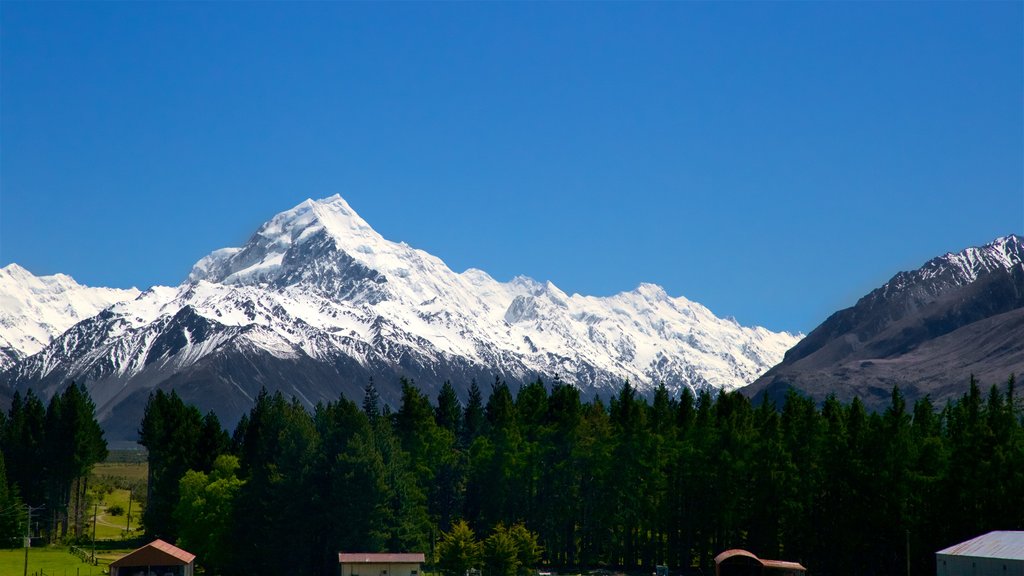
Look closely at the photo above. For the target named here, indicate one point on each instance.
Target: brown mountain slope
(926, 331)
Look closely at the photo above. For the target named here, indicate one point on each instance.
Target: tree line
(46, 458)
(630, 483)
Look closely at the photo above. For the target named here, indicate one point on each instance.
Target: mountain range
(36, 309)
(317, 302)
(927, 330)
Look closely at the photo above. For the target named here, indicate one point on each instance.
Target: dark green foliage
(473, 418)
(449, 411)
(178, 439)
(272, 508)
(23, 446)
(49, 454)
(553, 480)
(11, 510)
(371, 400)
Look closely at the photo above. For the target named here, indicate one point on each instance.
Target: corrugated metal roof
(1003, 544)
(734, 552)
(779, 564)
(365, 558)
(155, 551)
(782, 564)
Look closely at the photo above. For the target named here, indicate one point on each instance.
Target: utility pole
(28, 531)
(95, 509)
(908, 551)
(128, 522)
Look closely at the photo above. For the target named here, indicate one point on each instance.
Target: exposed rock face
(35, 309)
(927, 331)
(317, 301)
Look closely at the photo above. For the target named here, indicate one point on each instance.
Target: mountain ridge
(903, 332)
(35, 309)
(316, 289)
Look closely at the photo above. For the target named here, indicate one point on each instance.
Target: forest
(46, 456)
(541, 477)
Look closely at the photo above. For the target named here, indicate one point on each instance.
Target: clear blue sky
(773, 161)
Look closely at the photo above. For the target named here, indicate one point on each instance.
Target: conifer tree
(371, 400)
(11, 510)
(459, 551)
(473, 420)
(449, 410)
(23, 447)
(170, 432)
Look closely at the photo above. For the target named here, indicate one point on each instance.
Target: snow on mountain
(928, 330)
(644, 335)
(316, 288)
(35, 309)
(956, 269)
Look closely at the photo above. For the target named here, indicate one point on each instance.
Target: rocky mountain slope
(316, 302)
(926, 330)
(35, 309)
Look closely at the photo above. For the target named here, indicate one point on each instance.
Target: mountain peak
(264, 254)
(316, 301)
(928, 330)
(965, 266)
(37, 308)
(14, 268)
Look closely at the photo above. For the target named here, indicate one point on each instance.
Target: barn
(365, 564)
(156, 558)
(998, 553)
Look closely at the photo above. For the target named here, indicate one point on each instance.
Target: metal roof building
(999, 553)
(736, 562)
(156, 558)
(365, 564)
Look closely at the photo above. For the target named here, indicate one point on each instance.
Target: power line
(29, 510)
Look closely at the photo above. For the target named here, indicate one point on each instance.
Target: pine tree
(273, 506)
(23, 447)
(459, 551)
(473, 420)
(11, 509)
(449, 410)
(371, 400)
(170, 432)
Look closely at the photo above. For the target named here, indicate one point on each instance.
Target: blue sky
(773, 161)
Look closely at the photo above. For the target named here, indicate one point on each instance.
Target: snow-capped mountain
(317, 301)
(35, 309)
(927, 330)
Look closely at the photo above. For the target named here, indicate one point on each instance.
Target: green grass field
(110, 527)
(130, 471)
(52, 561)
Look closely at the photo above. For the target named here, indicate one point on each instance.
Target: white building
(998, 553)
(363, 564)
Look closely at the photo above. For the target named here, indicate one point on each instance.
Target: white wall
(383, 570)
(947, 565)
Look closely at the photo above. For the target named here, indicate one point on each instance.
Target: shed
(158, 558)
(365, 564)
(736, 562)
(998, 553)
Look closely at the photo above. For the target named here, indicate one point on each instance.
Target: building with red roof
(158, 558)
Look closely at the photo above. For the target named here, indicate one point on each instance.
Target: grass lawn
(52, 561)
(108, 526)
(131, 471)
